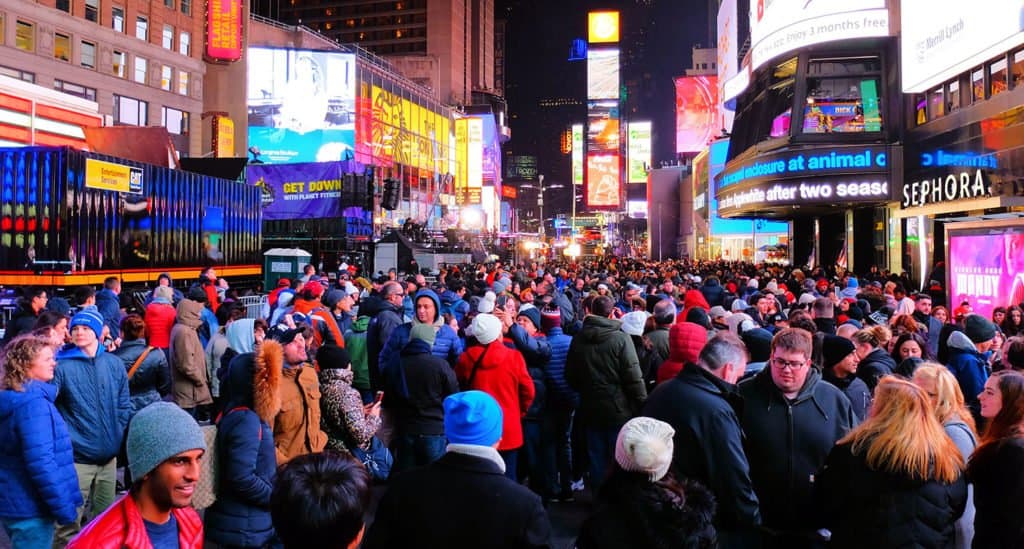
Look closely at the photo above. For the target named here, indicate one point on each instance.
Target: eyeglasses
(780, 364)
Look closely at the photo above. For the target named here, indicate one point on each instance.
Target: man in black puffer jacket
(713, 291)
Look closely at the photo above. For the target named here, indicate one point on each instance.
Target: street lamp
(540, 206)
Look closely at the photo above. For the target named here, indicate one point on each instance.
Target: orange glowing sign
(224, 30)
(603, 27)
(223, 137)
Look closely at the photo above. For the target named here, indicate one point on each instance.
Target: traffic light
(389, 199)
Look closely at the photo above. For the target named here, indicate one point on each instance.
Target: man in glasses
(791, 419)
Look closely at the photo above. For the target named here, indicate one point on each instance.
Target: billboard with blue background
(723, 227)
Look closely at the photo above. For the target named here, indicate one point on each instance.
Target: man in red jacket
(164, 446)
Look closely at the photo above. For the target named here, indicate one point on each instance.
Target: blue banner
(300, 191)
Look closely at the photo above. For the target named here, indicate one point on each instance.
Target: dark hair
(229, 311)
(49, 319)
(1013, 358)
(1009, 422)
(111, 282)
(916, 338)
(83, 293)
(602, 306)
(319, 500)
(456, 284)
(133, 327)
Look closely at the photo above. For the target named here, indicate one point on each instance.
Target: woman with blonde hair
(875, 360)
(896, 480)
(956, 420)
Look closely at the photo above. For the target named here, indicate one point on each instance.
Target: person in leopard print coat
(343, 416)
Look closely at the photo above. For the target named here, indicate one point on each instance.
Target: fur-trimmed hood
(267, 380)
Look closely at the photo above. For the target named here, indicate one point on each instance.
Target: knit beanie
(486, 328)
(759, 344)
(699, 316)
(633, 323)
(472, 417)
(423, 332)
(550, 318)
(834, 349)
(644, 445)
(58, 305)
(499, 286)
(197, 294)
(738, 306)
(331, 299)
(90, 317)
(332, 357)
(487, 303)
(532, 313)
(159, 432)
(979, 329)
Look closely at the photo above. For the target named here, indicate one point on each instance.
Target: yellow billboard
(112, 177)
(603, 27)
(223, 137)
(461, 160)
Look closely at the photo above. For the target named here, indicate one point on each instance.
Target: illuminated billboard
(603, 126)
(782, 26)
(603, 187)
(469, 154)
(603, 27)
(696, 112)
(577, 154)
(603, 74)
(224, 30)
(728, 58)
(301, 104)
(954, 37)
(639, 156)
(985, 264)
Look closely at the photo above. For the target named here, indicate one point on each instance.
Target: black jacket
(458, 501)
(23, 321)
(878, 363)
(708, 441)
(787, 442)
(713, 292)
(427, 380)
(854, 388)
(997, 473)
(603, 367)
(385, 317)
(867, 508)
(536, 352)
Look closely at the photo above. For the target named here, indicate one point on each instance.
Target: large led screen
(781, 26)
(696, 112)
(577, 154)
(986, 267)
(603, 74)
(603, 127)
(603, 188)
(722, 227)
(301, 104)
(954, 36)
(728, 58)
(639, 155)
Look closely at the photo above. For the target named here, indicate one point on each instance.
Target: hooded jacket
(854, 388)
(384, 319)
(109, 305)
(447, 344)
(501, 373)
(325, 328)
(970, 368)
(178, 296)
(788, 441)
(240, 517)
(685, 340)
(536, 352)
(418, 395)
(92, 397)
(871, 368)
(152, 380)
(560, 394)
(713, 292)
(188, 358)
(297, 424)
(37, 466)
(159, 323)
(355, 344)
(21, 323)
(603, 367)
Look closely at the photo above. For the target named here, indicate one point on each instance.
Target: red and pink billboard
(604, 182)
(224, 30)
(986, 267)
(696, 112)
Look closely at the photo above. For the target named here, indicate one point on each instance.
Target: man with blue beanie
(464, 498)
(92, 396)
(165, 446)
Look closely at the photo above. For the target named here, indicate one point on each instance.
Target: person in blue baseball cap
(481, 507)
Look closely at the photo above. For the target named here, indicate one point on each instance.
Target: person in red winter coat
(160, 315)
(685, 340)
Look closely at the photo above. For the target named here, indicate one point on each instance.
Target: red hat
(283, 283)
(822, 283)
(312, 290)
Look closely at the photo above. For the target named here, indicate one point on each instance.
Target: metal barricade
(253, 305)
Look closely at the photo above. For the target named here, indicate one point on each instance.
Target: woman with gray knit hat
(642, 504)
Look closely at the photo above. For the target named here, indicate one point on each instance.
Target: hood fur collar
(267, 380)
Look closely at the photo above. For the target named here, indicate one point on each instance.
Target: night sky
(656, 39)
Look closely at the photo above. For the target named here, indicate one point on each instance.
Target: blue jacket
(536, 352)
(37, 468)
(109, 306)
(248, 466)
(560, 394)
(447, 345)
(92, 395)
(970, 368)
(153, 378)
(459, 307)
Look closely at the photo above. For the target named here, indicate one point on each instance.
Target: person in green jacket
(355, 344)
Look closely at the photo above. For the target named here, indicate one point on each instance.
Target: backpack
(453, 309)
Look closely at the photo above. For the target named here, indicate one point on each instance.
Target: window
(130, 112)
(75, 89)
(167, 40)
(182, 82)
(186, 6)
(997, 75)
(18, 74)
(25, 36)
(953, 96)
(169, 3)
(142, 28)
(140, 70)
(920, 109)
(174, 120)
(842, 96)
(185, 43)
(61, 46)
(88, 55)
(978, 85)
(165, 78)
(120, 60)
(117, 18)
(64, 5)
(92, 10)
(936, 104)
(1018, 68)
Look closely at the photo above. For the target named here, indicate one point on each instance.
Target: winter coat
(417, 393)
(713, 292)
(93, 398)
(932, 330)
(447, 344)
(188, 359)
(560, 394)
(501, 373)
(23, 321)
(152, 380)
(121, 526)
(342, 417)
(863, 507)
(452, 302)
(355, 344)
(787, 443)
(325, 328)
(213, 353)
(873, 367)
(37, 466)
(660, 348)
(159, 322)
(603, 367)
(109, 306)
(854, 388)
(245, 447)
(482, 508)
(685, 340)
(632, 511)
(384, 318)
(708, 444)
(297, 425)
(971, 370)
(536, 352)
(966, 442)
(997, 473)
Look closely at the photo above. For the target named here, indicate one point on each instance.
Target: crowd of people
(704, 404)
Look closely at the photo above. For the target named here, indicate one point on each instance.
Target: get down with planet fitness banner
(300, 191)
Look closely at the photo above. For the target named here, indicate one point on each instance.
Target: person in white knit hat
(642, 504)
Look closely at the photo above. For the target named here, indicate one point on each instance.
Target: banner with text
(299, 191)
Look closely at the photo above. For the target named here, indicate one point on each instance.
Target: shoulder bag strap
(138, 361)
(476, 366)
